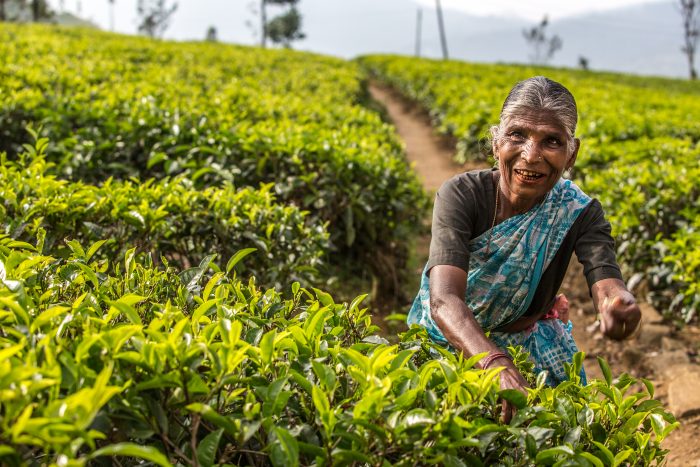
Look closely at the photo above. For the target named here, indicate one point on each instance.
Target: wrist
(489, 359)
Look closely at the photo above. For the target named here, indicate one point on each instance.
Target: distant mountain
(349, 29)
(642, 39)
(69, 19)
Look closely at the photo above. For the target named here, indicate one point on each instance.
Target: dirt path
(430, 153)
(656, 349)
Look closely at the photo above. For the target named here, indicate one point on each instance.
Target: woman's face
(533, 150)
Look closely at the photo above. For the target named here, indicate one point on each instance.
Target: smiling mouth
(528, 174)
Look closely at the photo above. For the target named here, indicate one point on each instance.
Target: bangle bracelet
(491, 357)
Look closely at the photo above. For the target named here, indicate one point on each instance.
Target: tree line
(286, 27)
(154, 18)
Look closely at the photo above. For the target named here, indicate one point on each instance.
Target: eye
(554, 142)
(515, 135)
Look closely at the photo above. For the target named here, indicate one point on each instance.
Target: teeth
(527, 173)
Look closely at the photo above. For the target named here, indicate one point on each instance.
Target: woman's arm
(458, 325)
(619, 313)
(595, 249)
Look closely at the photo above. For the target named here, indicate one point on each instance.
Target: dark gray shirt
(464, 208)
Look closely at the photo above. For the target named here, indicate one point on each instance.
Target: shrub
(168, 219)
(651, 199)
(118, 106)
(204, 369)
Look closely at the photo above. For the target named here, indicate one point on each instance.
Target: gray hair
(539, 93)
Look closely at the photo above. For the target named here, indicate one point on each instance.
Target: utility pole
(419, 24)
(2, 10)
(263, 18)
(441, 26)
(111, 15)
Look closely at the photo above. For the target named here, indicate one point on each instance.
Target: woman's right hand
(511, 378)
(448, 285)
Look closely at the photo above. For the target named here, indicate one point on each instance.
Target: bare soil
(646, 355)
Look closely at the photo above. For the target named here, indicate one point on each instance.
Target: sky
(531, 9)
(230, 16)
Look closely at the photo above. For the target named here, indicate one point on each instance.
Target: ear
(494, 137)
(572, 157)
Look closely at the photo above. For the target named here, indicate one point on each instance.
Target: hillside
(642, 39)
(189, 231)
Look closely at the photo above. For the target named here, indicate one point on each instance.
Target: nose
(531, 152)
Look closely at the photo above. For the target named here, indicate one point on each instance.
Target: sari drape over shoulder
(505, 268)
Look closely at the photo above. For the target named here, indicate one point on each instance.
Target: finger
(621, 307)
(627, 315)
(611, 327)
(631, 325)
(510, 412)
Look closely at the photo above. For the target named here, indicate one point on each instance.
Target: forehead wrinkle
(533, 119)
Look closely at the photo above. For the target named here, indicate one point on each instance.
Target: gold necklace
(493, 222)
(495, 211)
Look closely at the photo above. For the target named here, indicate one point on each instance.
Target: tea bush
(638, 154)
(167, 219)
(121, 107)
(650, 195)
(204, 369)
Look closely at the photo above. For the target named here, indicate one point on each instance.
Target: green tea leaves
(133, 450)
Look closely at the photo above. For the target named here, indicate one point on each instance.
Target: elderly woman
(502, 240)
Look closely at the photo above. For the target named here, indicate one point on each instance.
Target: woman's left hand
(619, 313)
(620, 316)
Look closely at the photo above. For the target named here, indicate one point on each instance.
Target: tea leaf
(133, 450)
(606, 452)
(591, 458)
(552, 454)
(235, 259)
(605, 369)
(515, 397)
(285, 452)
(622, 456)
(206, 450)
(212, 416)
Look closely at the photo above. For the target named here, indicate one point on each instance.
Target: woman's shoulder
(478, 182)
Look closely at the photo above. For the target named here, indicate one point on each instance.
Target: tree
(285, 28)
(40, 10)
(8, 7)
(212, 35)
(690, 10)
(281, 24)
(250, 24)
(155, 16)
(583, 63)
(24, 10)
(543, 47)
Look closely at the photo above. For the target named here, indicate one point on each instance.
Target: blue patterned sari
(506, 265)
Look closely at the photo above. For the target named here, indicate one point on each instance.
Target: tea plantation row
(639, 155)
(124, 359)
(168, 219)
(119, 107)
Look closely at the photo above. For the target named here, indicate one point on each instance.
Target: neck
(511, 204)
